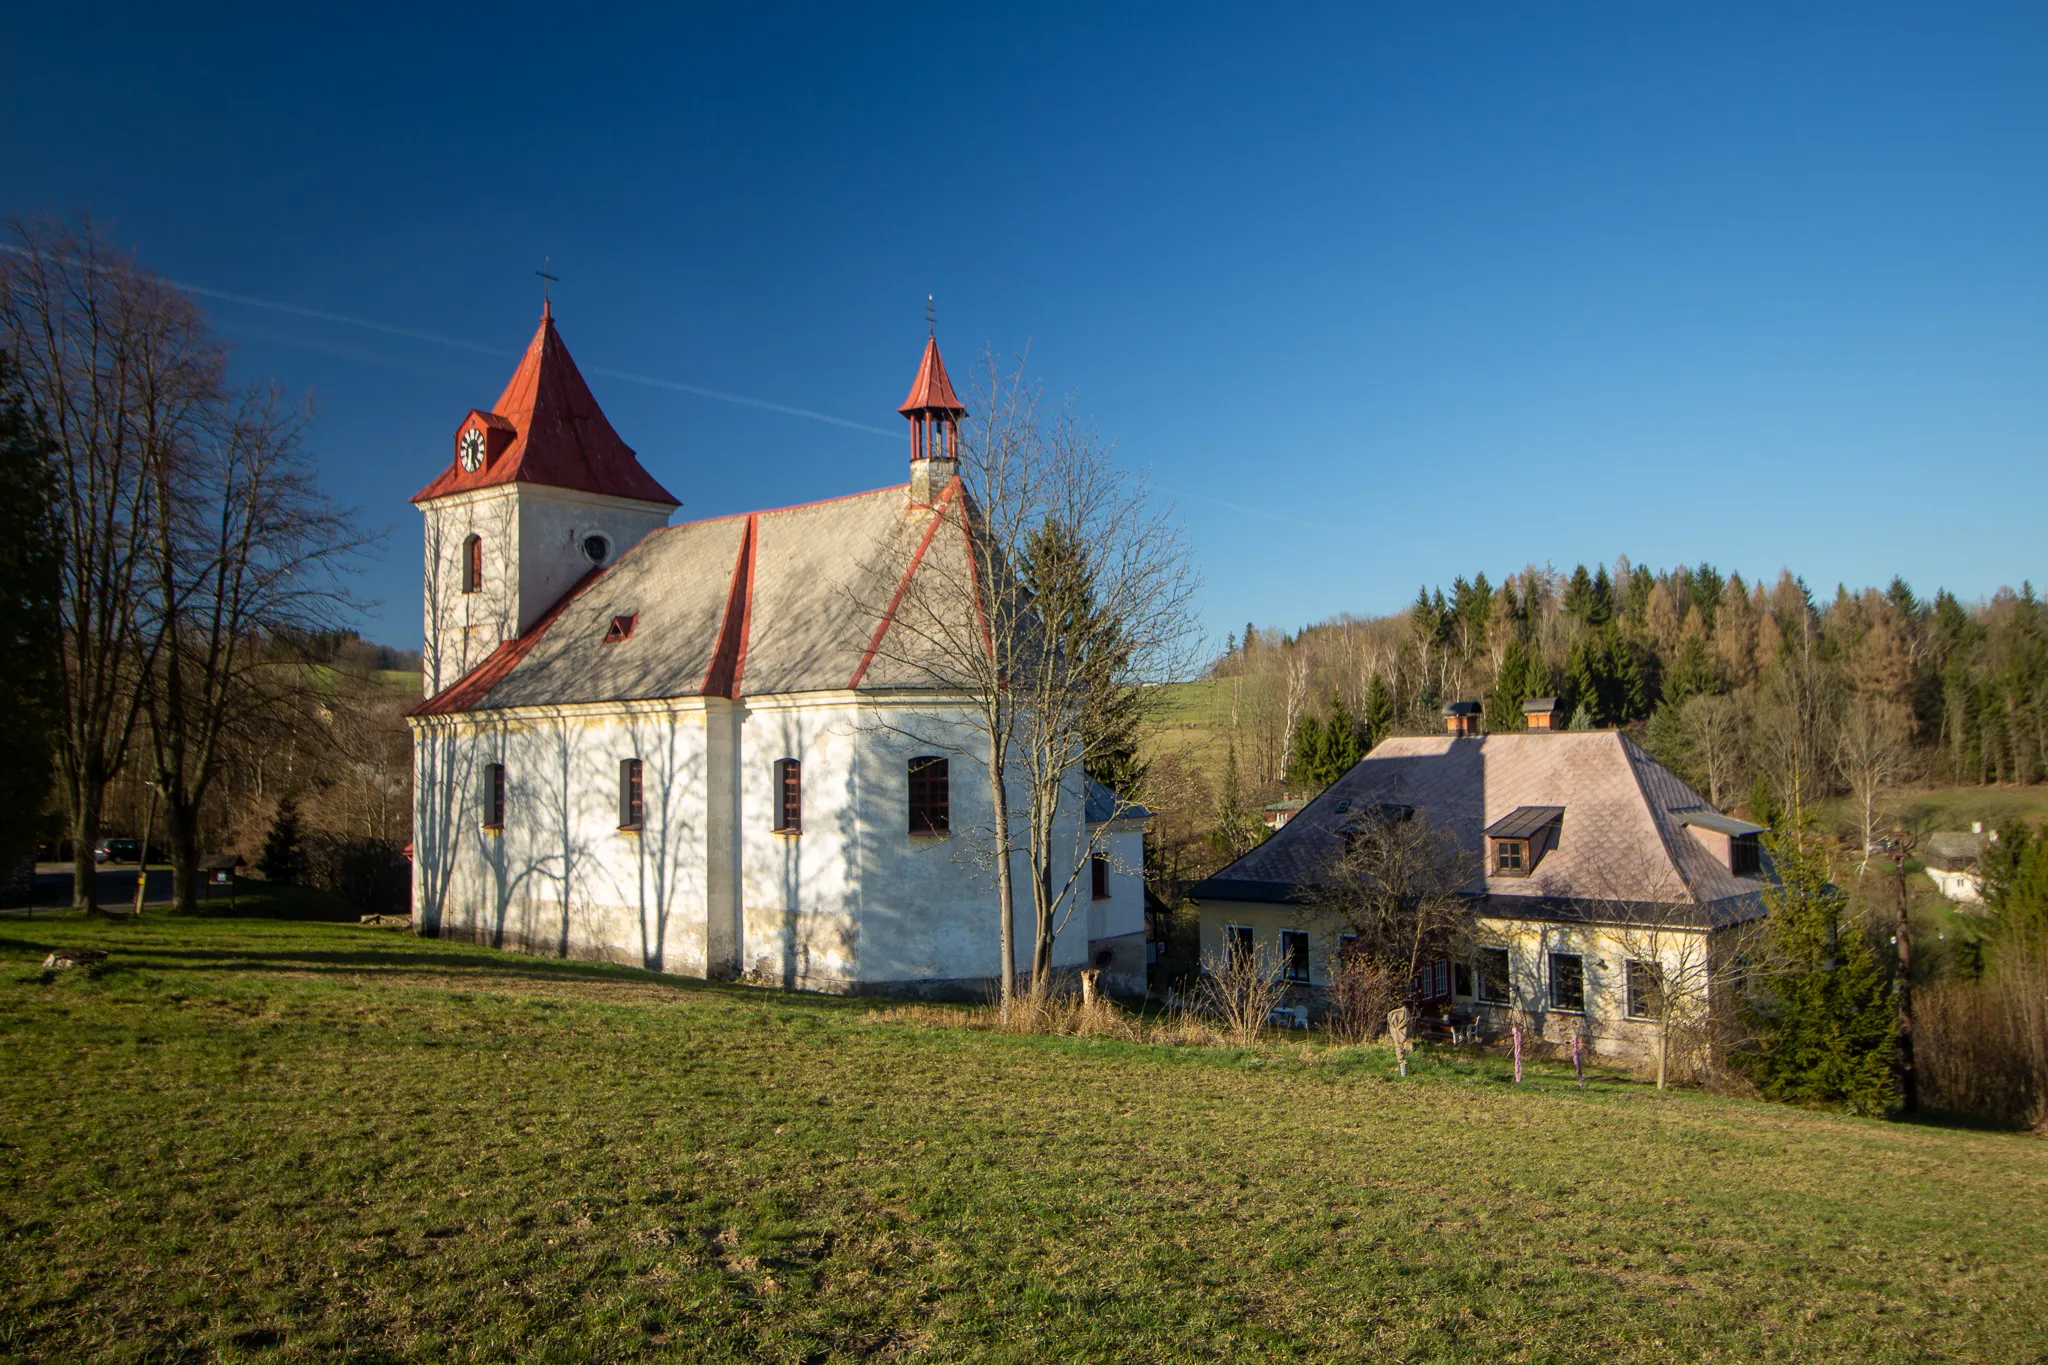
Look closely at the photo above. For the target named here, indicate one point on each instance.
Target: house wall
(1116, 924)
(1604, 948)
(706, 887)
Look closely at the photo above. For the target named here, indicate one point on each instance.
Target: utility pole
(1902, 1062)
(142, 854)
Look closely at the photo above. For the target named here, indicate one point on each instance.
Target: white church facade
(689, 747)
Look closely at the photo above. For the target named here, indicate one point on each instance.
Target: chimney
(1540, 713)
(1461, 718)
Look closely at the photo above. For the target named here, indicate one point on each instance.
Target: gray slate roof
(1622, 849)
(783, 601)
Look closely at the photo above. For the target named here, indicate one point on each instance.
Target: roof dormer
(1735, 844)
(1518, 840)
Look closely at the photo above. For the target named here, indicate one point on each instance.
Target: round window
(597, 549)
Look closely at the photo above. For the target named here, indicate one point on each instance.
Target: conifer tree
(1342, 745)
(31, 547)
(1822, 1011)
(283, 858)
(1306, 759)
(1510, 690)
(1379, 712)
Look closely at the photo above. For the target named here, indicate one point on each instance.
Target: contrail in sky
(457, 343)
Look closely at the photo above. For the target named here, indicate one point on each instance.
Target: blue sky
(1383, 293)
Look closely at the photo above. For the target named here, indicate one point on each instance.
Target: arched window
(930, 805)
(789, 796)
(473, 564)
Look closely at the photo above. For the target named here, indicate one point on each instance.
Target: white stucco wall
(706, 887)
(532, 554)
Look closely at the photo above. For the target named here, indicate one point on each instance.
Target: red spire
(931, 392)
(546, 428)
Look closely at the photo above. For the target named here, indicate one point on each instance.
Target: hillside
(338, 1141)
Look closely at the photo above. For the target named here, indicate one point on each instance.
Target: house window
(1238, 944)
(1461, 979)
(930, 811)
(621, 627)
(1645, 983)
(1510, 857)
(473, 564)
(494, 796)
(631, 808)
(1493, 976)
(1744, 855)
(1294, 955)
(789, 797)
(1567, 982)
(1098, 875)
(1346, 945)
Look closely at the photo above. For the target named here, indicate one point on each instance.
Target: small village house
(1603, 877)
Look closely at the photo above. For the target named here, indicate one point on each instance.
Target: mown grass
(321, 1141)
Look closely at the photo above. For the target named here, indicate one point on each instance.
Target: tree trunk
(181, 830)
(1006, 892)
(87, 797)
(1903, 1062)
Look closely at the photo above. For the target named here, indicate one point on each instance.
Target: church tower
(934, 411)
(539, 493)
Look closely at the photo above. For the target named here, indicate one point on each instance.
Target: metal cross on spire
(931, 328)
(546, 280)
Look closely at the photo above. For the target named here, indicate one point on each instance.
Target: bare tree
(118, 363)
(1064, 598)
(1398, 888)
(246, 552)
(1870, 753)
(1711, 727)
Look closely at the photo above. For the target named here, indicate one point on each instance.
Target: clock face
(472, 450)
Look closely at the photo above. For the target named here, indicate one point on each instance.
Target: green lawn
(326, 1141)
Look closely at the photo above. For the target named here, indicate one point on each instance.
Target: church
(694, 747)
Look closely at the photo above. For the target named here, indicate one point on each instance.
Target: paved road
(116, 886)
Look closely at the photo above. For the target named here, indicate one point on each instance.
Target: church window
(1098, 873)
(597, 549)
(929, 799)
(494, 796)
(473, 564)
(621, 627)
(789, 796)
(632, 805)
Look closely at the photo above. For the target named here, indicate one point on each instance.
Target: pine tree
(1823, 1014)
(1342, 745)
(1305, 756)
(283, 859)
(31, 549)
(1504, 703)
(1379, 712)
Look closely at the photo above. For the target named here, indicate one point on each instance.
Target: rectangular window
(1507, 856)
(930, 805)
(1440, 980)
(1098, 876)
(494, 796)
(1744, 856)
(1461, 979)
(1493, 976)
(789, 796)
(1645, 982)
(1567, 982)
(631, 808)
(1294, 954)
(1346, 945)
(1237, 941)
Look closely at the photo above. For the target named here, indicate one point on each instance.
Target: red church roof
(558, 436)
(931, 391)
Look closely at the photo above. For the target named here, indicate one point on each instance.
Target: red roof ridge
(889, 616)
(729, 657)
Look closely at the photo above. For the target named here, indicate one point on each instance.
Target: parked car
(118, 851)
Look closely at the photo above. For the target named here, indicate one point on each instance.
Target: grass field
(305, 1140)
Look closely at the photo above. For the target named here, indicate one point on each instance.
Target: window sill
(932, 834)
(1568, 1009)
(785, 833)
(492, 829)
(629, 829)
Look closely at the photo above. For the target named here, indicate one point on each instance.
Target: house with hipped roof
(698, 747)
(1598, 877)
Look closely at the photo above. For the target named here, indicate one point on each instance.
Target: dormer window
(1518, 840)
(621, 628)
(1734, 843)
